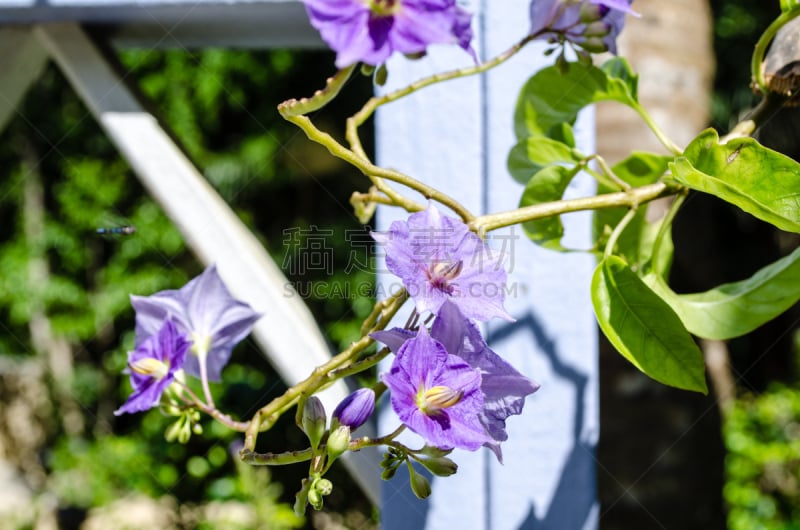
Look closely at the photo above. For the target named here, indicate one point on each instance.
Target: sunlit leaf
(743, 172)
(644, 329)
(551, 97)
(733, 309)
(534, 153)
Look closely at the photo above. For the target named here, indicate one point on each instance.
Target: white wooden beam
(22, 60)
(287, 333)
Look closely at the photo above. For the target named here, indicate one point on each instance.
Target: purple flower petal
(393, 338)
(152, 367)
(503, 388)
(439, 259)
(620, 5)
(205, 311)
(421, 373)
(357, 31)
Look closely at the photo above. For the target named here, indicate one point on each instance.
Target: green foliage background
(64, 286)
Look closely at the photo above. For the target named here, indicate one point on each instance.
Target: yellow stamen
(150, 367)
(432, 400)
(445, 270)
(384, 8)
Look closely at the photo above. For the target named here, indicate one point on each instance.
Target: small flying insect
(117, 231)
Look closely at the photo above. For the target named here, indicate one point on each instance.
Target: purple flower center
(441, 273)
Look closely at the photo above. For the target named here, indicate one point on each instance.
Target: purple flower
(436, 395)
(206, 312)
(504, 389)
(369, 31)
(439, 259)
(152, 366)
(355, 409)
(590, 24)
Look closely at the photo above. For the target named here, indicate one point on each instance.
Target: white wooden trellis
(548, 477)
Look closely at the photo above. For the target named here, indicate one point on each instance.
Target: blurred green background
(66, 322)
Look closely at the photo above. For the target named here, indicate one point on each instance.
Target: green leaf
(733, 309)
(534, 153)
(635, 242)
(662, 263)
(563, 133)
(551, 98)
(789, 5)
(644, 329)
(742, 172)
(545, 186)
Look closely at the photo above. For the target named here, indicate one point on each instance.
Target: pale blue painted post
(456, 136)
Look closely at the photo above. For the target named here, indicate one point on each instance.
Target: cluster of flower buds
(588, 25)
(329, 444)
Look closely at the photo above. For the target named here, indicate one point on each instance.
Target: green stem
(763, 43)
(372, 196)
(193, 400)
(275, 459)
(630, 198)
(371, 171)
(666, 223)
(621, 184)
(359, 366)
(333, 85)
(360, 443)
(660, 134)
(266, 417)
(378, 310)
(358, 119)
(623, 223)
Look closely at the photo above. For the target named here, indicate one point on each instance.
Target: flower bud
(597, 29)
(388, 473)
(355, 409)
(441, 467)
(594, 45)
(435, 452)
(314, 420)
(381, 75)
(315, 499)
(419, 484)
(338, 441)
(323, 486)
(591, 12)
(173, 431)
